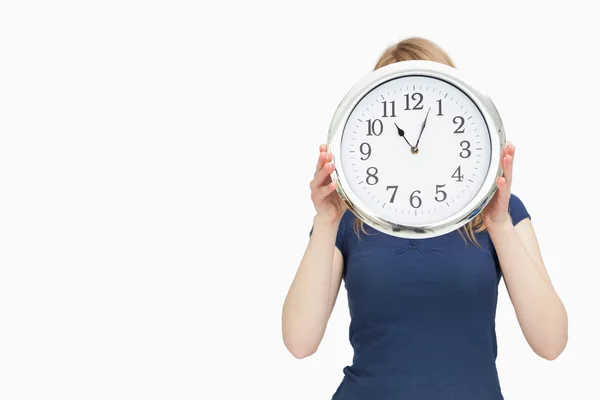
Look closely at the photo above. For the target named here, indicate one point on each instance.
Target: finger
(510, 149)
(508, 170)
(503, 192)
(321, 176)
(321, 161)
(328, 189)
(323, 148)
(321, 193)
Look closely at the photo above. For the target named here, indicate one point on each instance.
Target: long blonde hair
(422, 49)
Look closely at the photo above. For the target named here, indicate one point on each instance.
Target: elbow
(300, 338)
(551, 351)
(554, 340)
(299, 345)
(299, 348)
(549, 355)
(300, 352)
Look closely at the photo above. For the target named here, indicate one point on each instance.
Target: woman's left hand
(496, 211)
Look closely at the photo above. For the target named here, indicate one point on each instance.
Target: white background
(154, 168)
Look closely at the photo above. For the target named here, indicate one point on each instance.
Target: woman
(422, 310)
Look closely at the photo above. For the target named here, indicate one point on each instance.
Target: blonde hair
(422, 49)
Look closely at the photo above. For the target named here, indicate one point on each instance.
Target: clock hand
(401, 133)
(423, 127)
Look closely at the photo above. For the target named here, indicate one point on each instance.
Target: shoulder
(515, 202)
(347, 221)
(517, 209)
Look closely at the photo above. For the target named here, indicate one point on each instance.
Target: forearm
(539, 310)
(306, 309)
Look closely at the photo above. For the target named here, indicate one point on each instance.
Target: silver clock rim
(453, 77)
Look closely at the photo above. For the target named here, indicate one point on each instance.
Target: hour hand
(401, 133)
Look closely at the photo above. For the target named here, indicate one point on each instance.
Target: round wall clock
(416, 148)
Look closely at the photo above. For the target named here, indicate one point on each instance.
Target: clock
(416, 149)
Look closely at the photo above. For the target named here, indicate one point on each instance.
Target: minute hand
(423, 127)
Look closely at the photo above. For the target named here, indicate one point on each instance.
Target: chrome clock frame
(427, 69)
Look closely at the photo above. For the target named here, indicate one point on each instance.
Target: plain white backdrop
(154, 166)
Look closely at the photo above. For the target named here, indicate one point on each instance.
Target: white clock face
(415, 150)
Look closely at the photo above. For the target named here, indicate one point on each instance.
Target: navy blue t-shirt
(422, 315)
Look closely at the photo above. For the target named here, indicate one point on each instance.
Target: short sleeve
(340, 240)
(517, 210)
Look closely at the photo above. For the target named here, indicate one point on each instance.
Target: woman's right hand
(326, 200)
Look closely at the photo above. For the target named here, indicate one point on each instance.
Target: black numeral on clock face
(465, 145)
(457, 175)
(375, 127)
(372, 178)
(392, 108)
(460, 121)
(440, 192)
(440, 114)
(395, 189)
(418, 97)
(415, 200)
(365, 150)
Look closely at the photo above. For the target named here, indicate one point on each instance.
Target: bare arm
(313, 292)
(540, 312)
